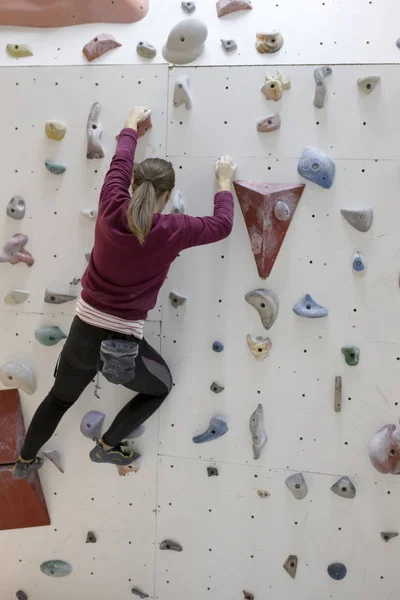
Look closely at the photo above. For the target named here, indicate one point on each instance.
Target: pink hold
(100, 45)
(384, 450)
(13, 252)
(225, 7)
(144, 126)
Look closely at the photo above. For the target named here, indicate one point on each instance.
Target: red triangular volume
(267, 222)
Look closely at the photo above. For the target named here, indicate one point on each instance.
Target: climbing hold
(182, 92)
(281, 211)
(87, 256)
(94, 130)
(358, 263)
(337, 397)
(55, 168)
(216, 429)
(92, 423)
(56, 296)
(368, 84)
(226, 7)
(308, 308)
(91, 538)
(19, 50)
(137, 592)
(56, 568)
(212, 471)
(337, 571)
(13, 252)
(16, 297)
(188, 7)
(16, 208)
(177, 203)
(75, 281)
(49, 336)
(169, 545)
(248, 595)
(351, 355)
(257, 431)
(216, 388)
(138, 432)
(177, 299)
(320, 86)
(316, 166)
(90, 213)
(267, 43)
(229, 45)
(266, 303)
(263, 493)
(217, 346)
(99, 45)
(146, 50)
(398, 43)
(18, 376)
(274, 86)
(297, 485)
(290, 565)
(55, 131)
(54, 457)
(388, 535)
(185, 42)
(270, 123)
(132, 468)
(21, 595)
(257, 201)
(344, 488)
(360, 219)
(384, 450)
(259, 346)
(144, 126)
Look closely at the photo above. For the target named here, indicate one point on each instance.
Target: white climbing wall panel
(232, 539)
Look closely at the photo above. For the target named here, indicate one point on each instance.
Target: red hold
(225, 7)
(257, 201)
(99, 45)
(13, 252)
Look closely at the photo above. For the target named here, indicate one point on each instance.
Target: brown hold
(268, 43)
(338, 394)
(290, 565)
(144, 126)
(63, 13)
(226, 7)
(257, 201)
(13, 252)
(270, 123)
(99, 45)
(22, 500)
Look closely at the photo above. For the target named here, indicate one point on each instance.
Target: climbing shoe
(22, 469)
(119, 455)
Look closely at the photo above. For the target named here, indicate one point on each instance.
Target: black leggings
(76, 369)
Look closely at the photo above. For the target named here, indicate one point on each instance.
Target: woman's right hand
(224, 170)
(137, 115)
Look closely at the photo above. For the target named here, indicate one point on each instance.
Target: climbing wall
(236, 529)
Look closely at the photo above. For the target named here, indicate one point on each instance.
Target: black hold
(217, 346)
(337, 571)
(216, 388)
(212, 471)
(21, 595)
(75, 281)
(248, 595)
(169, 545)
(139, 593)
(388, 535)
(91, 538)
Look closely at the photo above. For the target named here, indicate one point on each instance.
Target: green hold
(49, 336)
(351, 355)
(55, 168)
(56, 568)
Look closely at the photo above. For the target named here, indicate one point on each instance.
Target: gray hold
(57, 296)
(18, 376)
(182, 93)
(146, 50)
(91, 538)
(281, 211)
(361, 219)
(388, 535)
(344, 488)
(309, 309)
(368, 84)
(54, 457)
(188, 7)
(320, 86)
(297, 485)
(270, 123)
(177, 299)
(185, 42)
(177, 203)
(92, 423)
(169, 545)
(398, 43)
(94, 130)
(229, 45)
(257, 431)
(16, 297)
(20, 595)
(216, 388)
(139, 593)
(138, 432)
(16, 208)
(212, 471)
(266, 303)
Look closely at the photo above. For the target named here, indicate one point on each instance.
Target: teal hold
(56, 568)
(49, 336)
(55, 168)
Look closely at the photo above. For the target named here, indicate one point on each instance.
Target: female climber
(133, 250)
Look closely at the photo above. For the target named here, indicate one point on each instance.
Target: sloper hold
(308, 308)
(216, 388)
(257, 431)
(337, 571)
(229, 45)
(13, 252)
(351, 355)
(21, 595)
(316, 166)
(182, 92)
(99, 45)
(274, 86)
(94, 130)
(16, 208)
(58, 296)
(19, 50)
(270, 123)
(169, 545)
(146, 50)
(139, 593)
(226, 7)
(361, 219)
(384, 450)
(297, 485)
(177, 203)
(257, 201)
(49, 336)
(16, 297)
(212, 471)
(358, 263)
(55, 458)
(259, 346)
(268, 43)
(91, 538)
(177, 299)
(18, 376)
(368, 84)
(185, 42)
(321, 89)
(92, 423)
(344, 488)
(266, 303)
(90, 213)
(281, 211)
(55, 131)
(55, 168)
(388, 535)
(56, 568)
(216, 429)
(188, 7)
(290, 565)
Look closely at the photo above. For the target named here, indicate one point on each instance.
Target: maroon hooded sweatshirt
(123, 277)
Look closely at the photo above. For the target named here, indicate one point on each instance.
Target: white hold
(177, 203)
(185, 42)
(16, 297)
(182, 93)
(18, 376)
(90, 213)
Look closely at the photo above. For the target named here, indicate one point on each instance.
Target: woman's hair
(151, 178)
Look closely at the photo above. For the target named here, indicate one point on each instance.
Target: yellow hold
(55, 131)
(19, 50)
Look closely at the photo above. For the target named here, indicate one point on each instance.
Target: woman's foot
(23, 467)
(119, 455)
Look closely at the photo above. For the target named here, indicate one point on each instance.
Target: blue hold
(316, 166)
(308, 308)
(358, 263)
(337, 571)
(216, 429)
(217, 347)
(55, 168)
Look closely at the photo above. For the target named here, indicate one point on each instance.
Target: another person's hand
(137, 115)
(224, 171)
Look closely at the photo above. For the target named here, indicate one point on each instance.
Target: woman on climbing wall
(133, 250)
